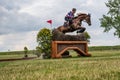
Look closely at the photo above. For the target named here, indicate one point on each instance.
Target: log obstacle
(59, 47)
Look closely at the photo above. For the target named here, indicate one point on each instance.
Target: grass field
(15, 54)
(103, 65)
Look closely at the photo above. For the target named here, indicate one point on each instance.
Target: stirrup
(65, 24)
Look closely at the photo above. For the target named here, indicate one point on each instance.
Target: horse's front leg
(81, 29)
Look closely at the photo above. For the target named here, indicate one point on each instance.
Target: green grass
(103, 65)
(31, 53)
(102, 48)
(15, 54)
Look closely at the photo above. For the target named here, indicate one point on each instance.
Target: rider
(70, 16)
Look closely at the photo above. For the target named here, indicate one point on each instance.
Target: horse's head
(88, 19)
(85, 17)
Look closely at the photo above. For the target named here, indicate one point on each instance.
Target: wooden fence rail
(59, 47)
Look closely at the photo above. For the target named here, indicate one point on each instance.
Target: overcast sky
(20, 20)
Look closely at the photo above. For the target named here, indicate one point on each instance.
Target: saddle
(67, 25)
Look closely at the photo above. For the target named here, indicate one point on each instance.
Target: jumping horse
(76, 24)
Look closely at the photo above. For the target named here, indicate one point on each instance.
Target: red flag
(49, 21)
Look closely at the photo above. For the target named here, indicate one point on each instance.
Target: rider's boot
(66, 24)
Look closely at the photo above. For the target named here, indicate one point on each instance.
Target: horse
(76, 24)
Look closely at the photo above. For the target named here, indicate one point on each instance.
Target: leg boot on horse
(81, 30)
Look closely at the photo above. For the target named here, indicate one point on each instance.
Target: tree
(44, 38)
(38, 51)
(112, 19)
(25, 51)
(88, 37)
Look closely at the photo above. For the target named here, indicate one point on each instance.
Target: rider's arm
(69, 15)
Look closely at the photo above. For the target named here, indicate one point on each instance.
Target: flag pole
(51, 26)
(50, 22)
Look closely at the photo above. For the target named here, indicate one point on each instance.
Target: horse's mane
(79, 14)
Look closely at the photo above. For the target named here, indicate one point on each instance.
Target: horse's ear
(89, 14)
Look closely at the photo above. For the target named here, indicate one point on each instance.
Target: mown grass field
(103, 65)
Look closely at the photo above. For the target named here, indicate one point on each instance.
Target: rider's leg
(67, 22)
(70, 22)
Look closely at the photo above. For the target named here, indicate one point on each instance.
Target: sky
(20, 21)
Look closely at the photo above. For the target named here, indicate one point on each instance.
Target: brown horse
(76, 24)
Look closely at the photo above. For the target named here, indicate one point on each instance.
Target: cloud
(18, 41)
(20, 20)
(21, 16)
(12, 21)
(104, 42)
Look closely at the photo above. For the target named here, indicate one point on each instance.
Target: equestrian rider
(70, 16)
